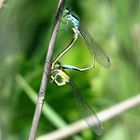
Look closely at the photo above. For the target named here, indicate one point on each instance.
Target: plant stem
(104, 115)
(47, 66)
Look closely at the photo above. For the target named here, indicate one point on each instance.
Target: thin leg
(66, 23)
(63, 21)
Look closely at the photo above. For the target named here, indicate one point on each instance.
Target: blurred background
(25, 29)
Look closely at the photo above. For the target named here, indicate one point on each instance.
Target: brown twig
(44, 81)
(103, 116)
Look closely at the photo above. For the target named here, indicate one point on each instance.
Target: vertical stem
(47, 66)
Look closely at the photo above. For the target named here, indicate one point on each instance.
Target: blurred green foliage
(25, 29)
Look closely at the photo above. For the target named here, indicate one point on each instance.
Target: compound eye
(57, 65)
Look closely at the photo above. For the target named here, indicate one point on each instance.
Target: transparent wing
(99, 54)
(88, 114)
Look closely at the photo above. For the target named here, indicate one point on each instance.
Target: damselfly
(61, 78)
(98, 53)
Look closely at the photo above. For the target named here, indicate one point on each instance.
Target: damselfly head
(57, 65)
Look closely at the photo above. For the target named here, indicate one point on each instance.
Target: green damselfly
(61, 78)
